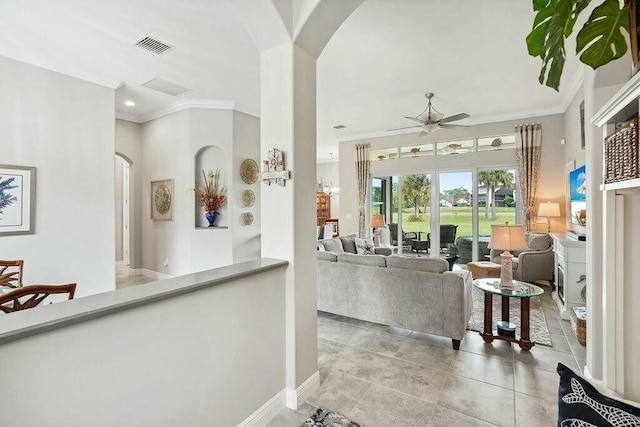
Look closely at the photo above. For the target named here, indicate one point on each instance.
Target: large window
(445, 209)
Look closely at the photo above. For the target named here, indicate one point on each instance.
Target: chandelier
(327, 187)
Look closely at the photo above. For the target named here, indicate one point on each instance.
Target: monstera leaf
(601, 39)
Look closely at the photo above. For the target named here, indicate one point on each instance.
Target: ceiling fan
(431, 119)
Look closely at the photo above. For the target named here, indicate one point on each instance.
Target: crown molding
(578, 82)
(128, 117)
(184, 104)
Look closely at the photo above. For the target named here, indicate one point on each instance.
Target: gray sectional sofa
(403, 291)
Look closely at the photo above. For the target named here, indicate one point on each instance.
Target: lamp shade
(549, 209)
(377, 221)
(507, 237)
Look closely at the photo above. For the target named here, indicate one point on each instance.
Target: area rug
(325, 418)
(538, 330)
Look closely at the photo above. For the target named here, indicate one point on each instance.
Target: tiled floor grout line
(518, 362)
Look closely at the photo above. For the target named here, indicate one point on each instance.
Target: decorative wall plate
(246, 218)
(249, 171)
(162, 200)
(248, 198)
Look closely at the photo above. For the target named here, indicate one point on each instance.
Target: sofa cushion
(349, 244)
(364, 246)
(332, 245)
(433, 265)
(375, 260)
(327, 256)
(580, 403)
(538, 241)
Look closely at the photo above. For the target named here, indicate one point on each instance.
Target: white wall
(211, 246)
(574, 154)
(166, 155)
(129, 145)
(211, 357)
(179, 146)
(65, 128)
(552, 163)
(119, 169)
(246, 145)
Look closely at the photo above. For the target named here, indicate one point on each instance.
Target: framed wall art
(162, 200)
(17, 200)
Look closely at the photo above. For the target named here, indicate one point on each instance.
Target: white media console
(570, 272)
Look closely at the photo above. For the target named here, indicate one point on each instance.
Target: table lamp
(507, 238)
(549, 210)
(376, 221)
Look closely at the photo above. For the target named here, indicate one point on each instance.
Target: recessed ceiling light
(129, 103)
(339, 127)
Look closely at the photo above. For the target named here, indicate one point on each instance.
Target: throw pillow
(320, 247)
(580, 404)
(538, 241)
(349, 244)
(364, 246)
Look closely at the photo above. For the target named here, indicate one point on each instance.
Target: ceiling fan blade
(454, 127)
(408, 127)
(415, 119)
(454, 118)
(423, 133)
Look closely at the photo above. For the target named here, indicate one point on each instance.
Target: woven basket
(579, 325)
(621, 155)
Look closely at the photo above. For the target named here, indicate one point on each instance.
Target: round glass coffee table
(505, 329)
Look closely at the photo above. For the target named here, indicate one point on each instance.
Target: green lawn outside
(461, 216)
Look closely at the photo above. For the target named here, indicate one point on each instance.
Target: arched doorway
(123, 216)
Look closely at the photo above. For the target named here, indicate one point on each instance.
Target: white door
(125, 214)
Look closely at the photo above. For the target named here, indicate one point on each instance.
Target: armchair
(30, 296)
(406, 237)
(536, 263)
(447, 236)
(11, 273)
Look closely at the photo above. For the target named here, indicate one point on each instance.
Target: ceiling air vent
(153, 45)
(165, 87)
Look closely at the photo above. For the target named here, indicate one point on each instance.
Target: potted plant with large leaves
(601, 39)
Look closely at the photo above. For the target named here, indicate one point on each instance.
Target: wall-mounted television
(578, 195)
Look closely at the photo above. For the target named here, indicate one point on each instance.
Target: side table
(484, 269)
(505, 329)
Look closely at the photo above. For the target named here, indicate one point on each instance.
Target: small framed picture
(162, 200)
(17, 200)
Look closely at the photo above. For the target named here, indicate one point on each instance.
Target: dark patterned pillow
(364, 246)
(581, 405)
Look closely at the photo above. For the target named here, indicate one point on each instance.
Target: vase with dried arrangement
(211, 195)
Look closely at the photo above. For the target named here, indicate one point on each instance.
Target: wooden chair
(8, 272)
(31, 295)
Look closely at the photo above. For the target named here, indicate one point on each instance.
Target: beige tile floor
(382, 376)
(124, 280)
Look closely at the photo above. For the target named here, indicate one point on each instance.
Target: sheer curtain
(528, 151)
(363, 173)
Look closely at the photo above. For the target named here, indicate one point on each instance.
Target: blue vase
(212, 217)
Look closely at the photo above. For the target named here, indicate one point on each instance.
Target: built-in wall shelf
(622, 187)
(621, 106)
(212, 228)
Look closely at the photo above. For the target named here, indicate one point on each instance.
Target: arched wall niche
(210, 158)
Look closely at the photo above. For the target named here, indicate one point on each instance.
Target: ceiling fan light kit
(431, 119)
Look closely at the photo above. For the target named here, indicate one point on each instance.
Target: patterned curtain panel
(528, 150)
(363, 172)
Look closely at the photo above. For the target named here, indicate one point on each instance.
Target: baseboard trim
(149, 273)
(303, 392)
(266, 412)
